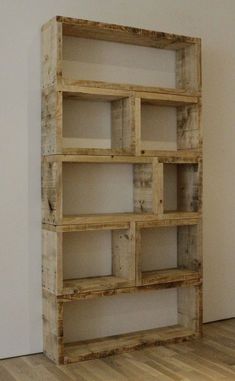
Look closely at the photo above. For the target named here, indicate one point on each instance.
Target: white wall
(20, 21)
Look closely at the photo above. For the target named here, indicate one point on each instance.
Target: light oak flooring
(209, 358)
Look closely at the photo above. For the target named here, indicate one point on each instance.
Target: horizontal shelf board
(99, 159)
(169, 275)
(156, 222)
(99, 90)
(86, 227)
(99, 283)
(124, 34)
(125, 217)
(107, 346)
(93, 151)
(180, 156)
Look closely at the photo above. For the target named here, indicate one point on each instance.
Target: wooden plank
(189, 187)
(167, 223)
(122, 125)
(108, 346)
(169, 275)
(93, 294)
(126, 217)
(52, 262)
(51, 53)
(189, 134)
(71, 85)
(98, 159)
(190, 308)
(144, 184)
(123, 34)
(189, 247)
(51, 192)
(53, 328)
(51, 121)
(101, 90)
(123, 256)
(158, 191)
(188, 67)
(86, 227)
(88, 285)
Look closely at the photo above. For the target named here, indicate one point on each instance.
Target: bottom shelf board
(99, 283)
(169, 275)
(97, 348)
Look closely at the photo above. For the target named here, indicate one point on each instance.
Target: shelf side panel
(123, 254)
(53, 328)
(188, 67)
(189, 247)
(51, 53)
(51, 192)
(190, 308)
(51, 121)
(52, 271)
(189, 134)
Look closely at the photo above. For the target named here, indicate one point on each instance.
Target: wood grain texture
(210, 358)
(124, 34)
(148, 189)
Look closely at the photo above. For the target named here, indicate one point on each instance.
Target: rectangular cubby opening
(97, 123)
(169, 127)
(169, 254)
(181, 188)
(107, 188)
(158, 128)
(96, 260)
(96, 60)
(117, 323)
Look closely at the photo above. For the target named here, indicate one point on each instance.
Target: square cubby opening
(95, 260)
(91, 188)
(169, 126)
(169, 254)
(182, 189)
(97, 123)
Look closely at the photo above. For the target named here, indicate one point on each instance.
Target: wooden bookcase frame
(148, 188)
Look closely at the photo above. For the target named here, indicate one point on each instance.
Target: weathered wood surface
(124, 34)
(210, 358)
(127, 275)
(92, 349)
(53, 346)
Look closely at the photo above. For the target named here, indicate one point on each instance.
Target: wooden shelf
(105, 91)
(127, 217)
(88, 285)
(91, 349)
(130, 128)
(167, 276)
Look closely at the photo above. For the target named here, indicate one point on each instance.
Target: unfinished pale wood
(188, 67)
(169, 275)
(189, 247)
(122, 125)
(68, 84)
(51, 53)
(123, 254)
(200, 359)
(126, 217)
(52, 261)
(51, 120)
(51, 192)
(123, 34)
(108, 346)
(190, 308)
(53, 345)
(89, 285)
(127, 275)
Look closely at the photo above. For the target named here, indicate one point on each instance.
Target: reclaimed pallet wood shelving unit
(149, 212)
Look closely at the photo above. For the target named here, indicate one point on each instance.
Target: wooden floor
(210, 358)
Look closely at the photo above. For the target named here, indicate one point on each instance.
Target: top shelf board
(124, 34)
